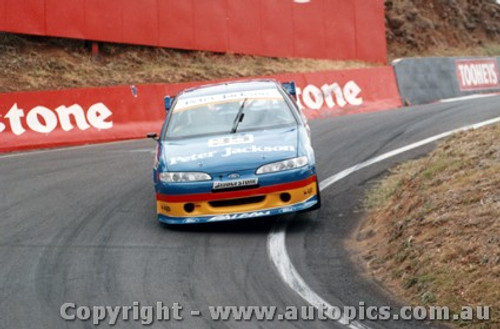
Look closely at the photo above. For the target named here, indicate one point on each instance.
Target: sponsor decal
(308, 191)
(242, 215)
(189, 102)
(287, 210)
(43, 120)
(329, 95)
(477, 74)
(218, 185)
(190, 158)
(230, 151)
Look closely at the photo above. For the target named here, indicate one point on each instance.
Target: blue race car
(234, 150)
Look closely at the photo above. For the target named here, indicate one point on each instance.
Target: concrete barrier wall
(91, 115)
(44, 119)
(426, 80)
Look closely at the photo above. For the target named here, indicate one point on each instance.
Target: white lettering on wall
(43, 120)
(330, 95)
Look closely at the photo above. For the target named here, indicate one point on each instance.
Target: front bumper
(224, 206)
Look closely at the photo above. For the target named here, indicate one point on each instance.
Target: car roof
(228, 87)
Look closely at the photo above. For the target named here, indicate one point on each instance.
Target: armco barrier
(425, 80)
(337, 29)
(78, 116)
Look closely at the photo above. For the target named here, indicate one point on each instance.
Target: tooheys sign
(477, 74)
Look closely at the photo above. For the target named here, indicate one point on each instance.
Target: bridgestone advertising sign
(91, 115)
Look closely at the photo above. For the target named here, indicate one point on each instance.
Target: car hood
(230, 152)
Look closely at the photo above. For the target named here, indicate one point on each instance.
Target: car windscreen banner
(42, 119)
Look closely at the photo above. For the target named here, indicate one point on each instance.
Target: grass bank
(40, 63)
(431, 234)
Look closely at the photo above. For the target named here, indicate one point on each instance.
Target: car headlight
(283, 165)
(179, 177)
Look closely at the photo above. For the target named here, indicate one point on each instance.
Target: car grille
(237, 202)
(249, 187)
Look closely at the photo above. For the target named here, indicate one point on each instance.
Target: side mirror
(290, 88)
(168, 102)
(152, 136)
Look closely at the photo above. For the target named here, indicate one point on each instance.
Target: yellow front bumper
(269, 201)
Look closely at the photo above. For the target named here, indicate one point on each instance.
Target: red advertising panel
(336, 29)
(66, 21)
(277, 30)
(79, 116)
(140, 22)
(210, 25)
(170, 32)
(26, 16)
(3, 15)
(331, 93)
(91, 115)
(477, 74)
(340, 35)
(244, 27)
(103, 20)
(309, 30)
(369, 21)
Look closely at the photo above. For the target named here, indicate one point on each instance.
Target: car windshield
(218, 114)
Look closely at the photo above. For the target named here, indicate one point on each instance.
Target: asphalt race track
(78, 225)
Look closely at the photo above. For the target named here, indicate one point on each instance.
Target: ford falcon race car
(232, 151)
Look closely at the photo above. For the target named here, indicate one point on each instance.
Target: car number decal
(230, 140)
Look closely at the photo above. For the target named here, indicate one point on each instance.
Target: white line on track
(65, 148)
(463, 98)
(276, 239)
(276, 242)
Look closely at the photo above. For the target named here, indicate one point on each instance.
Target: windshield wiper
(239, 117)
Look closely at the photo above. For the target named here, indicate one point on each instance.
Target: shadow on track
(245, 226)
